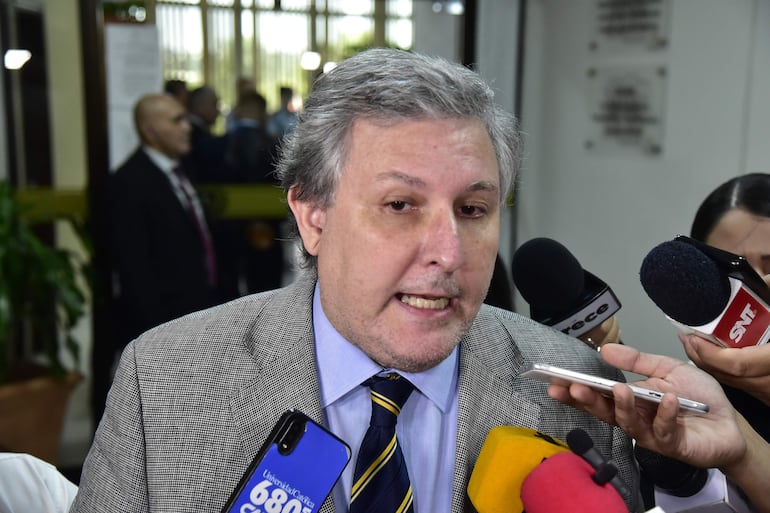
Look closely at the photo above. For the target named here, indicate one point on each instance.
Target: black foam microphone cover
(579, 441)
(547, 275)
(669, 475)
(685, 283)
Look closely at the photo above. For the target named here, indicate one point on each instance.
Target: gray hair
(387, 85)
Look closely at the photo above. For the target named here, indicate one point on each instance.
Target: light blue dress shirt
(427, 426)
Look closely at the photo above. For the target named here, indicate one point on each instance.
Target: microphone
(705, 290)
(679, 487)
(508, 455)
(567, 483)
(559, 291)
(582, 445)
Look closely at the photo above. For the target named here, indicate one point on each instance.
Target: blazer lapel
(488, 363)
(285, 374)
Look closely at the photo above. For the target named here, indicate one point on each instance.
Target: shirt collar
(165, 163)
(342, 366)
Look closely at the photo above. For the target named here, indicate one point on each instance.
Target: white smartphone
(560, 376)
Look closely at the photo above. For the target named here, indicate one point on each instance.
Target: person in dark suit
(205, 159)
(159, 254)
(283, 120)
(396, 176)
(250, 154)
(178, 89)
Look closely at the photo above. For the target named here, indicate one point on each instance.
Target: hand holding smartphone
(294, 470)
(552, 374)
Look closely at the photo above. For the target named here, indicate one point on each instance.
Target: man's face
(209, 111)
(406, 251)
(167, 129)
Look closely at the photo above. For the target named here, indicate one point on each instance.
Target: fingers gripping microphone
(507, 457)
(709, 291)
(559, 291)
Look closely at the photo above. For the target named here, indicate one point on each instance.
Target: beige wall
(65, 75)
(68, 140)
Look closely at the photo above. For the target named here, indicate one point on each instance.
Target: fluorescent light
(137, 12)
(455, 7)
(16, 58)
(310, 61)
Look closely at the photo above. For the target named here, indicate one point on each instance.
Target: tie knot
(389, 393)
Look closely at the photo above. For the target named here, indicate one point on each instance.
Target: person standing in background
(206, 166)
(243, 86)
(284, 119)
(735, 217)
(178, 89)
(205, 160)
(162, 250)
(256, 255)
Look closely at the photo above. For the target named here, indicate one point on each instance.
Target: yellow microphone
(508, 456)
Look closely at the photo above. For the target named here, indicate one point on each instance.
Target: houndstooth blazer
(193, 400)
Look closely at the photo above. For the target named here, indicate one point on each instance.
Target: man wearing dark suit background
(205, 159)
(159, 247)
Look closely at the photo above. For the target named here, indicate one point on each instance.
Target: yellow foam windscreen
(509, 454)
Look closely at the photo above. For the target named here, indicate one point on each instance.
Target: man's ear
(310, 221)
(146, 132)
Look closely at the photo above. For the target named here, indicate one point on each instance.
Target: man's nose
(442, 242)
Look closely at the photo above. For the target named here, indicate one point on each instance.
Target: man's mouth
(426, 303)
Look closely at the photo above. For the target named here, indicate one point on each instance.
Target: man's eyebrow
(483, 185)
(401, 177)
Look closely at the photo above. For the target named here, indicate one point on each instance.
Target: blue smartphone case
(294, 471)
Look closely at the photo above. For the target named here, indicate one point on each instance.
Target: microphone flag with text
(559, 291)
(709, 291)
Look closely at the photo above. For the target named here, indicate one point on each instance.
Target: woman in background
(735, 217)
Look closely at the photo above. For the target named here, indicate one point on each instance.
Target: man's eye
(472, 211)
(398, 206)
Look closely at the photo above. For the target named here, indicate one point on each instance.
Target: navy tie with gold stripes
(381, 481)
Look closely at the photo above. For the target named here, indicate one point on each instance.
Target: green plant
(42, 294)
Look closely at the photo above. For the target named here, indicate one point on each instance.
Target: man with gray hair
(396, 175)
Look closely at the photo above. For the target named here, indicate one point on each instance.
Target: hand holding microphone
(747, 368)
(717, 295)
(608, 332)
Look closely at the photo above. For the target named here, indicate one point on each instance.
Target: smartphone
(552, 374)
(294, 470)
